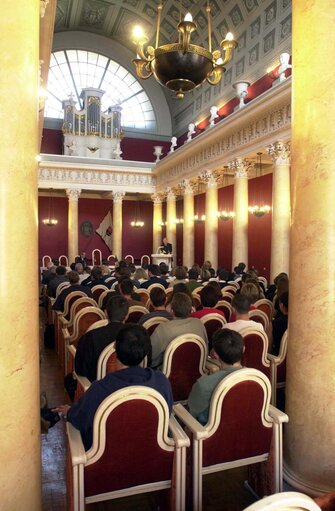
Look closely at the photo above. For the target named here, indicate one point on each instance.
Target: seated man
(58, 279)
(158, 300)
(73, 277)
(228, 350)
(209, 299)
(132, 346)
(181, 306)
(95, 279)
(92, 343)
(126, 289)
(241, 307)
(279, 324)
(153, 270)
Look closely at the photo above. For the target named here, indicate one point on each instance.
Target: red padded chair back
(184, 370)
(134, 316)
(85, 322)
(97, 292)
(223, 307)
(212, 326)
(132, 455)
(241, 432)
(254, 352)
(73, 299)
(197, 302)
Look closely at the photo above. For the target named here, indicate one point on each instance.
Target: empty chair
(112, 259)
(236, 435)
(260, 317)
(184, 362)
(287, 501)
(145, 259)
(131, 447)
(63, 260)
(129, 259)
(212, 322)
(225, 307)
(135, 312)
(46, 260)
(96, 257)
(266, 306)
(278, 368)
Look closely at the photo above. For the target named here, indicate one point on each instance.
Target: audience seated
(282, 287)
(126, 289)
(228, 347)
(164, 271)
(279, 324)
(209, 299)
(181, 287)
(56, 280)
(180, 274)
(132, 346)
(252, 292)
(95, 279)
(140, 275)
(154, 278)
(74, 286)
(241, 307)
(92, 343)
(223, 277)
(272, 289)
(158, 300)
(181, 306)
(193, 276)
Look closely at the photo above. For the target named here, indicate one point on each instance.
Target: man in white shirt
(241, 306)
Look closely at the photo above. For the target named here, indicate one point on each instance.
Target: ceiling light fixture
(182, 66)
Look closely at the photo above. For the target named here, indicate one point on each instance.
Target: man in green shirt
(228, 347)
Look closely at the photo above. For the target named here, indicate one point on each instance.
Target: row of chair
(96, 259)
(139, 447)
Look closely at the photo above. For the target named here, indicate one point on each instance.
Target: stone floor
(221, 491)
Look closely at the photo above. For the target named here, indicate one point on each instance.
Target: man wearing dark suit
(73, 277)
(82, 259)
(166, 247)
(153, 271)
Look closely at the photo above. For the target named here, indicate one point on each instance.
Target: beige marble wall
(309, 436)
(117, 223)
(73, 195)
(157, 219)
(20, 474)
(188, 227)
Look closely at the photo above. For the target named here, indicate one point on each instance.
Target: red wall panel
(137, 242)
(179, 231)
(225, 228)
(52, 241)
(259, 229)
(52, 141)
(138, 149)
(93, 210)
(199, 229)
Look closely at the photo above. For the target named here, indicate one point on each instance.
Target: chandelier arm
(215, 76)
(228, 47)
(143, 68)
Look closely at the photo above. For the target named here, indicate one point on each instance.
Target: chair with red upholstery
(227, 296)
(151, 324)
(232, 289)
(135, 313)
(103, 296)
(46, 259)
(225, 307)
(60, 288)
(212, 322)
(256, 350)
(196, 301)
(288, 501)
(98, 290)
(144, 295)
(112, 260)
(63, 260)
(266, 306)
(242, 429)
(260, 317)
(278, 368)
(145, 259)
(96, 257)
(184, 362)
(137, 448)
(129, 259)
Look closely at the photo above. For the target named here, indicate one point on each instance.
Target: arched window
(72, 70)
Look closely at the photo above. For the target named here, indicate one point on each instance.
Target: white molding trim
(303, 486)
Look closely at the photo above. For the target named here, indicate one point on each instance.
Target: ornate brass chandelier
(182, 66)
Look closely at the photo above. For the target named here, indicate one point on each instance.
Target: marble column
(211, 223)
(281, 209)
(157, 220)
(20, 457)
(188, 225)
(72, 223)
(117, 223)
(171, 220)
(240, 227)
(309, 440)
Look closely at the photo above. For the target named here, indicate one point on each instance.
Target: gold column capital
(157, 198)
(73, 193)
(170, 194)
(280, 153)
(118, 197)
(209, 177)
(187, 186)
(240, 166)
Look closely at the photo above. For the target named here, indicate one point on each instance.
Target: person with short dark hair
(158, 301)
(241, 307)
(280, 323)
(126, 289)
(95, 279)
(181, 306)
(132, 346)
(92, 343)
(209, 298)
(228, 347)
(166, 247)
(180, 274)
(73, 277)
(58, 279)
(153, 271)
(192, 283)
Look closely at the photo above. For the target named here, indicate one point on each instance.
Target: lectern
(162, 258)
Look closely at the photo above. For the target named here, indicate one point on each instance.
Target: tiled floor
(221, 491)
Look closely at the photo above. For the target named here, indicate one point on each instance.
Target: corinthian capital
(209, 177)
(280, 153)
(73, 193)
(188, 187)
(157, 198)
(118, 197)
(170, 194)
(240, 167)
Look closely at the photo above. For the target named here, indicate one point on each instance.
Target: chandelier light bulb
(138, 33)
(229, 37)
(219, 61)
(188, 17)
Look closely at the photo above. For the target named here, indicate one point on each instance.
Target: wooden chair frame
(261, 314)
(271, 417)
(145, 256)
(269, 304)
(60, 287)
(66, 260)
(96, 250)
(156, 284)
(46, 259)
(177, 443)
(227, 305)
(288, 501)
(131, 258)
(275, 362)
(265, 356)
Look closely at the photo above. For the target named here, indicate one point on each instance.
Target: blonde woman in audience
(140, 275)
(180, 274)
